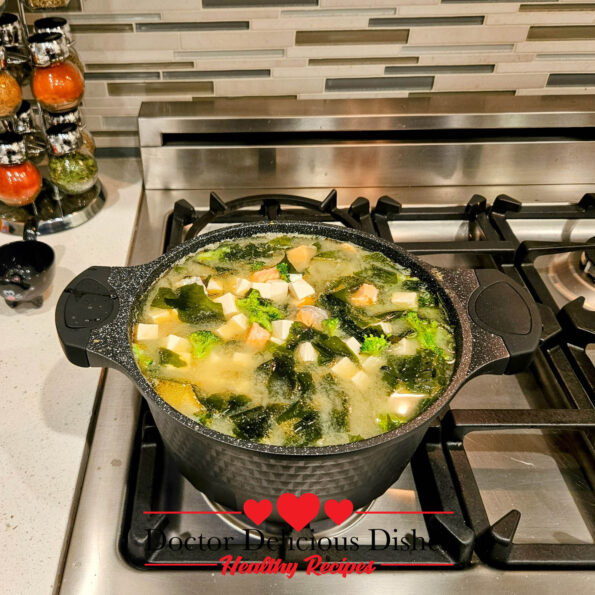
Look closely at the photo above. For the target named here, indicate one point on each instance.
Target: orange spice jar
(20, 180)
(57, 83)
(10, 91)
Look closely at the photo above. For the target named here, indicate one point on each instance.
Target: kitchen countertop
(46, 402)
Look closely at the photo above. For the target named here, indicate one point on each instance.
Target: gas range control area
(442, 477)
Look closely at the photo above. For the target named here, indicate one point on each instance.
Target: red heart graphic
(338, 511)
(298, 512)
(258, 512)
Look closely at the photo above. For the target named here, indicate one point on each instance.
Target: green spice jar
(72, 167)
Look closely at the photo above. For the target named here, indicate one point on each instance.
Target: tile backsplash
(322, 49)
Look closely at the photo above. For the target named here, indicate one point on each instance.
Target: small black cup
(26, 268)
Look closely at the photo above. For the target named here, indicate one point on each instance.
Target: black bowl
(26, 271)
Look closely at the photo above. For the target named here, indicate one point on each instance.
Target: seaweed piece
(304, 386)
(280, 375)
(233, 252)
(281, 242)
(344, 313)
(331, 347)
(192, 304)
(252, 424)
(160, 297)
(308, 428)
(339, 419)
(355, 438)
(425, 372)
(170, 358)
(388, 421)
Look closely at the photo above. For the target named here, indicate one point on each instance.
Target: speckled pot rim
(151, 273)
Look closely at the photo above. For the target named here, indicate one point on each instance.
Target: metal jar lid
(24, 118)
(54, 25)
(13, 150)
(47, 48)
(11, 32)
(72, 116)
(63, 138)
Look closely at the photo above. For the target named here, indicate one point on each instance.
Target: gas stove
(499, 493)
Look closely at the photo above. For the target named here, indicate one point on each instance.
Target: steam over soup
(295, 341)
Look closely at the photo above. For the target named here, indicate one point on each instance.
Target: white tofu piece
(345, 368)
(385, 327)
(276, 341)
(159, 316)
(237, 325)
(228, 301)
(353, 344)
(405, 405)
(301, 289)
(372, 364)
(305, 352)
(264, 289)
(278, 290)
(177, 344)
(404, 299)
(360, 379)
(405, 347)
(241, 287)
(190, 281)
(146, 332)
(294, 277)
(214, 286)
(281, 329)
(243, 360)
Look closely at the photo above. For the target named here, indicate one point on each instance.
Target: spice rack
(54, 208)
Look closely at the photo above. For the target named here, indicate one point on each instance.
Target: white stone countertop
(46, 403)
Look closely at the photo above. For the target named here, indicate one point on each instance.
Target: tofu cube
(360, 379)
(404, 299)
(305, 352)
(214, 286)
(372, 364)
(353, 344)
(276, 341)
(294, 277)
(241, 287)
(301, 289)
(278, 290)
(190, 281)
(281, 329)
(159, 316)
(177, 344)
(405, 347)
(264, 289)
(228, 301)
(405, 405)
(345, 368)
(301, 256)
(146, 332)
(385, 327)
(236, 326)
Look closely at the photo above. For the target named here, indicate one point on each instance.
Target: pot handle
(92, 319)
(505, 322)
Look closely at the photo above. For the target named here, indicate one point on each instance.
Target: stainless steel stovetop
(536, 472)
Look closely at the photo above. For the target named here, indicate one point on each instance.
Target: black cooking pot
(497, 328)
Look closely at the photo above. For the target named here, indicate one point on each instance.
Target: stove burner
(573, 275)
(321, 528)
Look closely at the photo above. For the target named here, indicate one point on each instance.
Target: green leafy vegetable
(283, 269)
(374, 345)
(170, 358)
(252, 424)
(389, 421)
(281, 242)
(259, 310)
(216, 255)
(426, 331)
(202, 343)
(144, 361)
(330, 326)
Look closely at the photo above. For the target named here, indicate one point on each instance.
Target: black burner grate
(442, 472)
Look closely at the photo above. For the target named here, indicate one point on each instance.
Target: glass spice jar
(72, 116)
(10, 91)
(20, 180)
(25, 125)
(43, 4)
(60, 25)
(57, 83)
(17, 56)
(72, 167)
